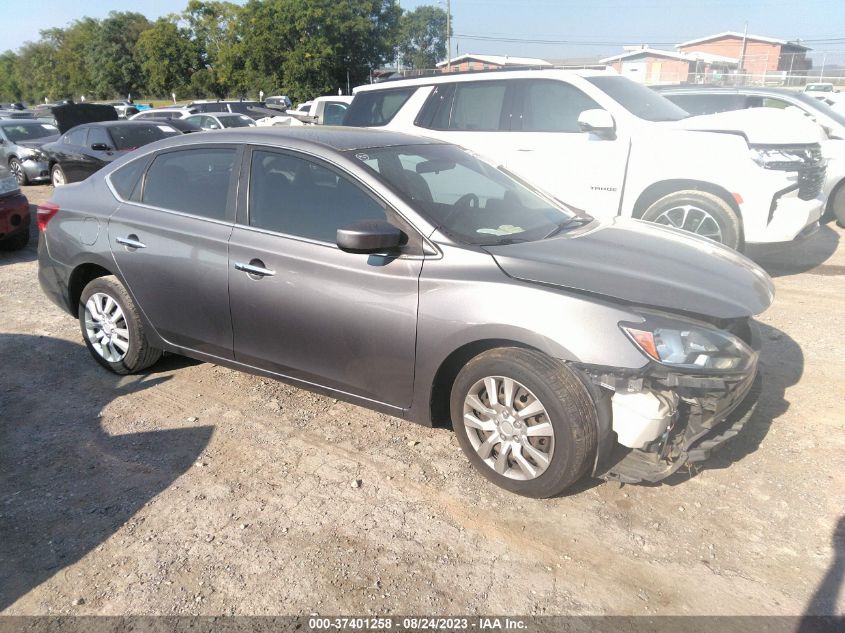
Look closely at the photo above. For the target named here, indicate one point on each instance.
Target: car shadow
(28, 253)
(66, 485)
(803, 256)
(782, 365)
(820, 613)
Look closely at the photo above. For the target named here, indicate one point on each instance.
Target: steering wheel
(466, 201)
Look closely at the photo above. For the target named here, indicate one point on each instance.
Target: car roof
(326, 136)
(487, 75)
(118, 123)
(220, 114)
(681, 89)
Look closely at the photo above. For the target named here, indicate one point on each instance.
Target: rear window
(375, 108)
(132, 136)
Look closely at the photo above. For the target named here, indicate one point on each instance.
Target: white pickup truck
(610, 146)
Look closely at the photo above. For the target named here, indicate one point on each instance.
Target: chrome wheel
(106, 327)
(509, 428)
(691, 219)
(58, 176)
(17, 171)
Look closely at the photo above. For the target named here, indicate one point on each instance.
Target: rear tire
(112, 328)
(540, 455)
(699, 212)
(17, 169)
(57, 176)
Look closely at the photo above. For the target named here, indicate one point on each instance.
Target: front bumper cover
(701, 428)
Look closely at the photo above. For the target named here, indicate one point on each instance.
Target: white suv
(603, 143)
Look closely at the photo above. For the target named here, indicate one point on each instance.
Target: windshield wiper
(566, 224)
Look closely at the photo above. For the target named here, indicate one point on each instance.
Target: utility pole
(448, 35)
(742, 50)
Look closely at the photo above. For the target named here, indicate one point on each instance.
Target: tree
(10, 88)
(422, 36)
(72, 56)
(111, 56)
(167, 56)
(307, 48)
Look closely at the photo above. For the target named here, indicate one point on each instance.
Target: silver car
(20, 148)
(411, 277)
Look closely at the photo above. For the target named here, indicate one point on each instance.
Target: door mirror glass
(369, 236)
(597, 121)
(100, 147)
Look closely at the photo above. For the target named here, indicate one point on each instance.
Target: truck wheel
(112, 329)
(698, 212)
(524, 420)
(837, 204)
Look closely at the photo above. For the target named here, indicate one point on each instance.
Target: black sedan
(84, 149)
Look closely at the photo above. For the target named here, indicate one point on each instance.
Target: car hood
(73, 114)
(760, 126)
(39, 142)
(645, 264)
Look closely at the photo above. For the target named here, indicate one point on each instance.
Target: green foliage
(111, 55)
(215, 48)
(422, 36)
(168, 57)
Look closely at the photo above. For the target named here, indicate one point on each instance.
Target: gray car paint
(629, 259)
(352, 328)
(11, 149)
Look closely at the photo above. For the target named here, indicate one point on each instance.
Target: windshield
(236, 121)
(132, 136)
(464, 196)
(28, 131)
(640, 101)
(819, 87)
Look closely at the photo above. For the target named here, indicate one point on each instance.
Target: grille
(811, 175)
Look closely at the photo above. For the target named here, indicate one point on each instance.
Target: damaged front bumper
(708, 411)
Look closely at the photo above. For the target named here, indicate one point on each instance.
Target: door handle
(131, 241)
(255, 267)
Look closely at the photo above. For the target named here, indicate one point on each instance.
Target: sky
(565, 28)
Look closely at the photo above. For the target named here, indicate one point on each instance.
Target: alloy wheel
(58, 177)
(17, 171)
(106, 327)
(691, 219)
(509, 428)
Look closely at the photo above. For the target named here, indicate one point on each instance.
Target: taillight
(46, 211)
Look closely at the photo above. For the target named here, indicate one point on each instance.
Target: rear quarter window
(375, 108)
(125, 179)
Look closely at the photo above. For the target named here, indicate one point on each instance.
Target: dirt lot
(195, 489)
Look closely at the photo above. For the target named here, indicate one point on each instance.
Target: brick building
(762, 55)
(489, 62)
(653, 66)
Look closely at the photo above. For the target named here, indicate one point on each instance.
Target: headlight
(689, 346)
(779, 158)
(33, 154)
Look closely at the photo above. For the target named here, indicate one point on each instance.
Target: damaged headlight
(33, 154)
(782, 159)
(689, 346)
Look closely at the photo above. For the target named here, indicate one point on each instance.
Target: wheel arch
(447, 372)
(657, 190)
(81, 276)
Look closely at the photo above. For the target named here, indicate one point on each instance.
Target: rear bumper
(53, 277)
(14, 216)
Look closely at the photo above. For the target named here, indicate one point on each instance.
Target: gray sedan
(20, 148)
(411, 277)
(220, 120)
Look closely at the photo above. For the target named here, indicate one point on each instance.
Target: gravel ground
(195, 489)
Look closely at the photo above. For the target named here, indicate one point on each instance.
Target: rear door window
(194, 181)
(375, 108)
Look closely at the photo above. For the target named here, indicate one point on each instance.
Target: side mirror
(598, 122)
(100, 147)
(369, 236)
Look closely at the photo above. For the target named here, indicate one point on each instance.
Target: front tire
(537, 435)
(112, 328)
(837, 204)
(698, 212)
(57, 176)
(18, 171)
